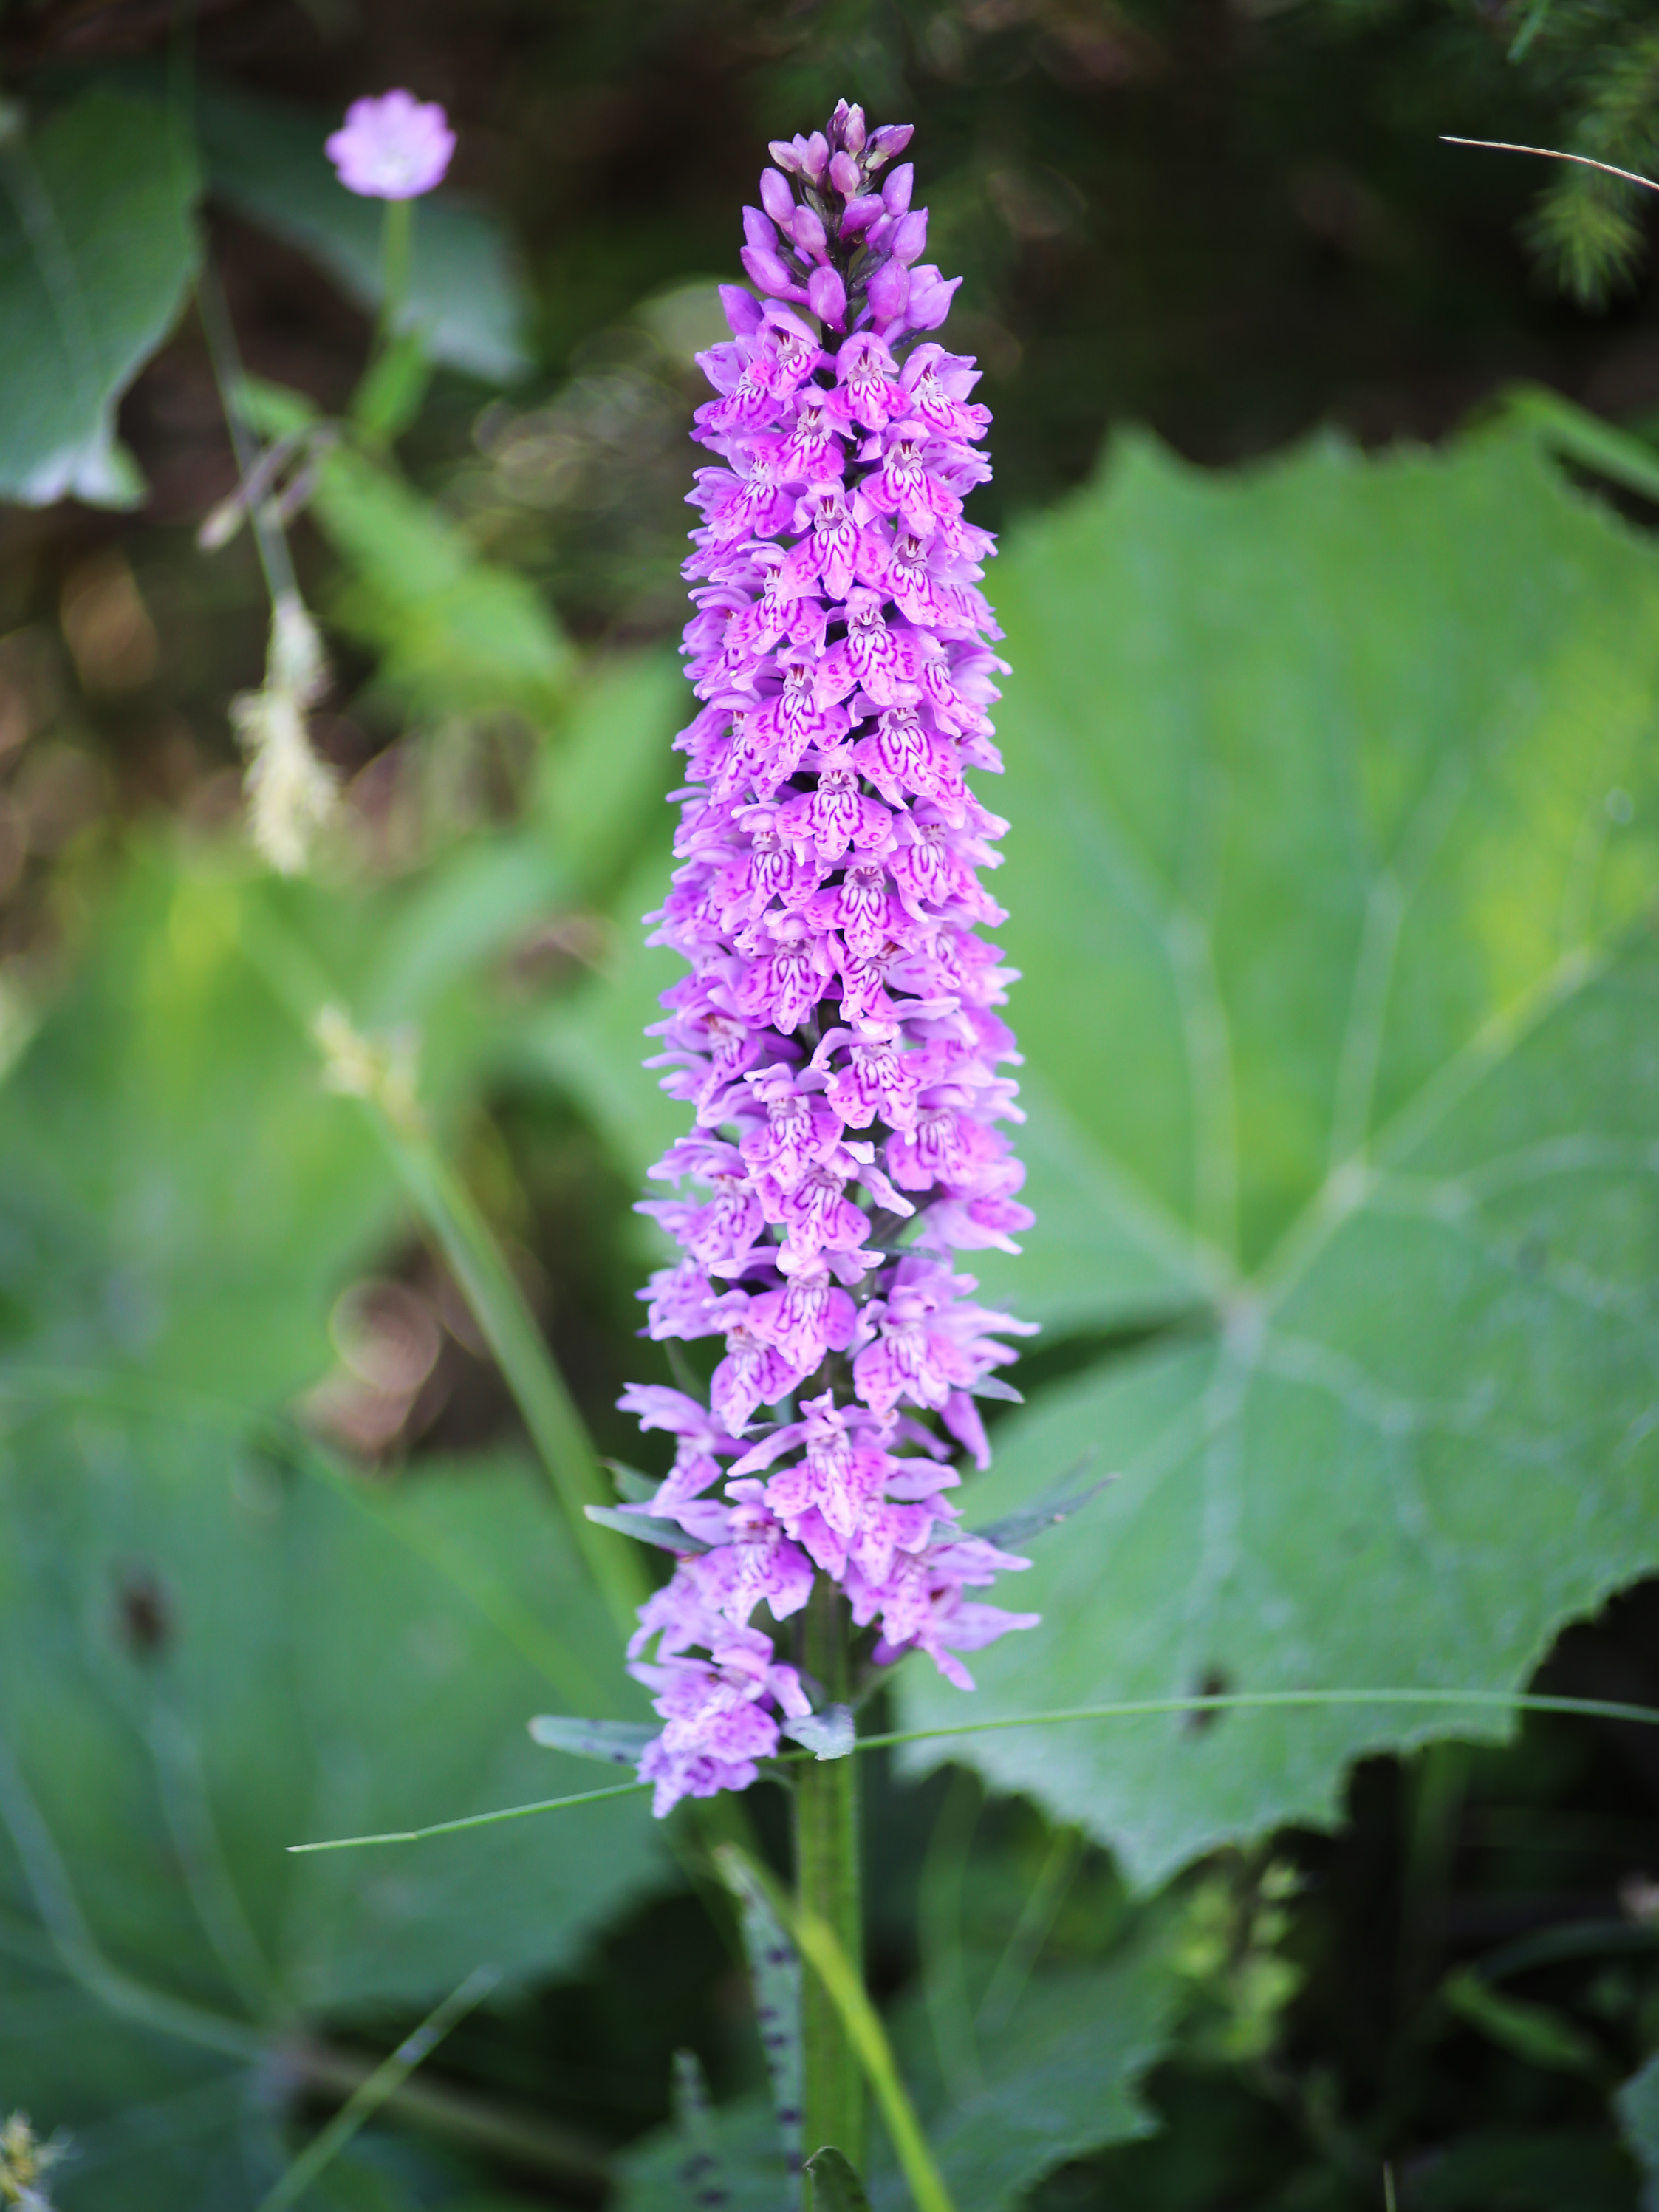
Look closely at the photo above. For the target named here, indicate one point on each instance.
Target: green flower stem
(396, 246)
(827, 1886)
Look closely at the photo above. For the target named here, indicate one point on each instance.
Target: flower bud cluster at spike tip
(837, 1036)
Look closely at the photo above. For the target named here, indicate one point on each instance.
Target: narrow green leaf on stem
(816, 1942)
(1130, 1708)
(613, 1743)
(1259, 1701)
(474, 1819)
(393, 385)
(383, 2082)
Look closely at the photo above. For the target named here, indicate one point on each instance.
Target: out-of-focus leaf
(180, 1195)
(97, 248)
(594, 1043)
(389, 398)
(1523, 2170)
(1543, 2035)
(1336, 838)
(451, 630)
(207, 1653)
(1638, 2106)
(466, 298)
(599, 793)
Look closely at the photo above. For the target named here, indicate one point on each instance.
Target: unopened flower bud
(742, 310)
(882, 145)
(889, 292)
(826, 296)
(815, 157)
(910, 238)
(844, 174)
(768, 272)
(896, 193)
(809, 235)
(787, 156)
(860, 214)
(758, 231)
(930, 298)
(776, 198)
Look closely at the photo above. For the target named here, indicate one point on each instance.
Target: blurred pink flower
(394, 148)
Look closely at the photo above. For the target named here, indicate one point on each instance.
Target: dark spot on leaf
(1214, 1682)
(144, 1619)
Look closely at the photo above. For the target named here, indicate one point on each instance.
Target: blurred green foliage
(96, 253)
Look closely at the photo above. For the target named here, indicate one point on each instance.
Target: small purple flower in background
(836, 1036)
(394, 148)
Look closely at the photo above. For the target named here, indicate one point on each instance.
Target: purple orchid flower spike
(837, 1038)
(394, 148)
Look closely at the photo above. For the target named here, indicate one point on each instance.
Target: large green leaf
(97, 247)
(1336, 833)
(466, 297)
(208, 1652)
